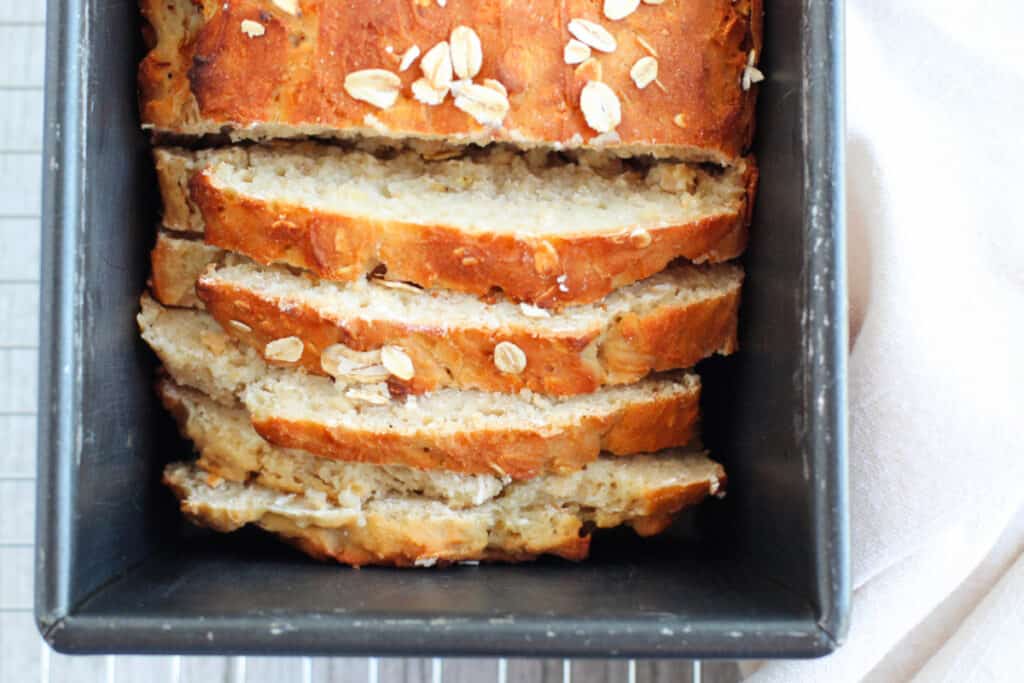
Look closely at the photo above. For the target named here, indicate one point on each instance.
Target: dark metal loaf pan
(763, 573)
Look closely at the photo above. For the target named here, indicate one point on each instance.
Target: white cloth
(935, 168)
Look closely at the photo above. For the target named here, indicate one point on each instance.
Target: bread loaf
(428, 269)
(256, 69)
(534, 227)
(519, 435)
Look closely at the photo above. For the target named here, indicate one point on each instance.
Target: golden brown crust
(551, 271)
(671, 337)
(204, 74)
(667, 337)
(520, 453)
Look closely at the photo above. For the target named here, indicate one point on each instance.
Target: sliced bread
(670, 320)
(545, 231)
(258, 69)
(229, 448)
(552, 515)
(521, 435)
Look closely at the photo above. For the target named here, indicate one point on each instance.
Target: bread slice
(519, 435)
(543, 231)
(229, 448)
(551, 515)
(256, 70)
(670, 320)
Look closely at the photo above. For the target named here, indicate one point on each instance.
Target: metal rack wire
(239, 667)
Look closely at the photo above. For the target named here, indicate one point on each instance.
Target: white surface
(935, 158)
(987, 639)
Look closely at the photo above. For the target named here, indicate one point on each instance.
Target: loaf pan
(763, 573)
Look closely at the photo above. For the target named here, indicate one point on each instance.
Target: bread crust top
(282, 74)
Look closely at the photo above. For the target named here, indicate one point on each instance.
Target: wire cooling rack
(23, 654)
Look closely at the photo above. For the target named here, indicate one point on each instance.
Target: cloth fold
(936, 243)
